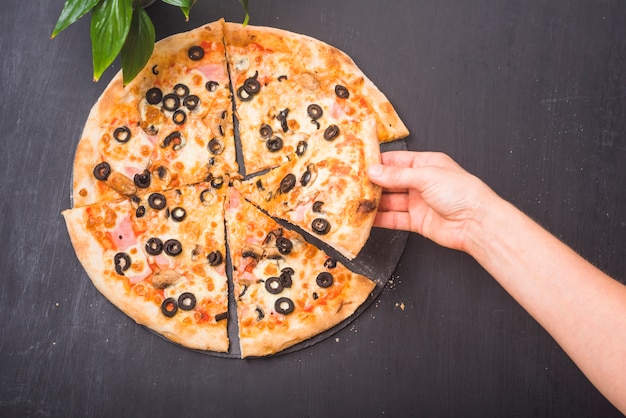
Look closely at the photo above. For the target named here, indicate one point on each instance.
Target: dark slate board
(528, 95)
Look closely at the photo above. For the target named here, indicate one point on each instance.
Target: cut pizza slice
(325, 191)
(289, 86)
(286, 289)
(160, 258)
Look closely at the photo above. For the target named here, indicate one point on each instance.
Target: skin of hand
(581, 307)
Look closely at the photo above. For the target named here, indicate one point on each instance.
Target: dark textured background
(529, 95)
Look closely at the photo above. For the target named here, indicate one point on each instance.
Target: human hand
(430, 194)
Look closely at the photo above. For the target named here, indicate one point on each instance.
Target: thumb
(393, 177)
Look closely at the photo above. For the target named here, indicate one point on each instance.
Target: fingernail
(375, 170)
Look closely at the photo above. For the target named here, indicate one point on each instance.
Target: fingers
(394, 202)
(397, 178)
(393, 220)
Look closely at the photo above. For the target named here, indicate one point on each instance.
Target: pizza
(231, 161)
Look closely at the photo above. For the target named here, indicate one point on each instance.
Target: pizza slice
(288, 86)
(160, 258)
(325, 191)
(286, 289)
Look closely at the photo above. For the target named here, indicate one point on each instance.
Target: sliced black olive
(207, 196)
(243, 95)
(122, 134)
(221, 316)
(284, 306)
(266, 131)
(178, 214)
(142, 180)
(259, 313)
(251, 85)
(259, 185)
(140, 212)
(191, 102)
(285, 280)
(314, 111)
(154, 95)
(181, 90)
(317, 206)
(179, 117)
(341, 91)
(135, 199)
(171, 102)
(282, 118)
(215, 258)
(273, 285)
(315, 296)
(320, 226)
(331, 132)
(324, 279)
(330, 263)
(316, 123)
(154, 246)
(284, 245)
(195, 53)
(288, 270)
(211, 85)
(169, 307)
(161, 172)
(306, 177)
(122, 263)
(301, 148)
(217, 182)
(157, 201)
(287, 183)
(274, 144)
(172, 247)
(216, 146)
(154, 69)
(187, 301)
(175, 138)
(102, 171)
(281, 78)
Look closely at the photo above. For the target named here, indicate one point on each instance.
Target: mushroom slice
(165, 278)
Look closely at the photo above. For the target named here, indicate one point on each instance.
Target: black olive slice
(154, 95)
(221, 316)
(288, 270)
(324, 279)
(251, 86)
(187, 301)
(282, 78)
(122, 263)
(331, 132)
(301, 148)
(140, 212)
(287, 183)
(142, 180)
(317, 206)
(243, 95)
(259, 312)
(341, 91)
(172, 247)
(171, 102)
(181, 90)
(157, 201)
(161, 172)
(320, 226)
(169, 307)
(154, 246)
(122, 134)
(266, 131)
(259, 185)
(207, 196)
(154, 69)
(285, 280)
(306, 177)
(178, 214)
(216, 146)
(175, 138)
(217, 182)
(215, 258)
(314, 111)
(284, 306)
(282, 118)
(102, 171)
(274, 144)
(330, 263)
(179, 117)
(273, 285)
(315, 296)
(316, 123)
(284, 245)
(211, 85)
(191, 102)
(195, 53)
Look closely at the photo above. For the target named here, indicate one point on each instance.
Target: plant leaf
(138, 46)
(185, 5)
(110, 23)
(72, 11)
(244, 4)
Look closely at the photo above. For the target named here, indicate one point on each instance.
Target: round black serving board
(528, 95)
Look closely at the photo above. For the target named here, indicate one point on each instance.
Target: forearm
(581, 307)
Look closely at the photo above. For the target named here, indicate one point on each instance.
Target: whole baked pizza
(213, 170)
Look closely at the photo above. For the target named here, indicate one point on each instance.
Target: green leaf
(110, 23)
(138, 46)
(72, 11)
(185, 5)
(244, 4)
